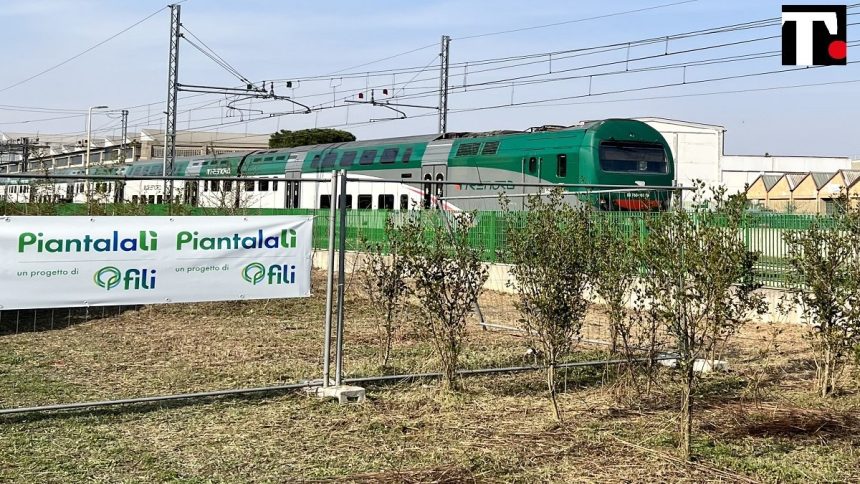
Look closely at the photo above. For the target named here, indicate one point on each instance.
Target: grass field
(759, 422)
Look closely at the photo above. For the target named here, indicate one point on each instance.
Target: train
(397, 173)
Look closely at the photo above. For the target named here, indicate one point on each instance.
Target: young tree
(615, 271)
(383, 277)
(699, 283)
(446, 275)
(551, 252)
(825, 283)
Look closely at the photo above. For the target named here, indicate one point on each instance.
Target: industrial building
(699, 153)
(47, 152)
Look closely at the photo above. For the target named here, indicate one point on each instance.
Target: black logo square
(814, 35)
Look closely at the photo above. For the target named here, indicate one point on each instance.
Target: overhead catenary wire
(595, 101)
(85, 51)
(411, 90)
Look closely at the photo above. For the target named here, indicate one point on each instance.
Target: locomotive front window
(633, 157)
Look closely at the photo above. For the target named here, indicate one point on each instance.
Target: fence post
(329, 282)
(341, 279)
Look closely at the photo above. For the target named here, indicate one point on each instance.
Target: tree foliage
(551, 252)
(288, 139)
(383, 278)
(445, 274)
(825, 283)
(699, 284)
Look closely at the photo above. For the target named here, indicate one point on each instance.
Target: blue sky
(267, 39)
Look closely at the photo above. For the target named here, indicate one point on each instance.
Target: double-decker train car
(398, 173)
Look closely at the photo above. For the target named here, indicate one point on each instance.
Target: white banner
(96, 261)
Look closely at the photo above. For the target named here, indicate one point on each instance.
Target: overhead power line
(85, 51)
(579, 20)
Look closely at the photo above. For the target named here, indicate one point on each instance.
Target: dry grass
(759, 422)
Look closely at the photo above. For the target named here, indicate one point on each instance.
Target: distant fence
(762, 232)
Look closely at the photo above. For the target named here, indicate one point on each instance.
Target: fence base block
(343, 394)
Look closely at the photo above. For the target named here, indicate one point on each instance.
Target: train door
(530, 170)
(433, 193)
(434, 168)
(293, 185)
(192, 188)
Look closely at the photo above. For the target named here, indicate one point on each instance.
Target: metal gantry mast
(172, 90)
(124, 135)
(443, 84)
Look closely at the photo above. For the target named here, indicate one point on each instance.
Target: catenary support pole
(341, 281)
(443, 84)
(329, 287)
(172, 90)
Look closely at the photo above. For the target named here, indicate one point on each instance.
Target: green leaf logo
(254, 273)
(107, 277)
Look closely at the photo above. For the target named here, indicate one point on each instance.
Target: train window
(263, 185)
(249, 186)
(404, 202)
(315, 162)
(268, 158)
(329, 160)
(365, 202)
(428, 190)
(275, 185)
(228, 185)
(151, 199)
(633, 157)
(439, 186)
(532, 164)
(280, 158)
(159, 199)
(216, 185)
(348, 201)
(490, 148)
(407, 154)
(135, 199)
(385, 202)
(388, 155)
(325, 201)
(367, 157)
(347, 158)
(561, 166)
(468, 149)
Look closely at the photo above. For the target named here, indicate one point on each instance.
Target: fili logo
(111, 277)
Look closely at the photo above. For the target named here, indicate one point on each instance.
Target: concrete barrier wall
(499, 278)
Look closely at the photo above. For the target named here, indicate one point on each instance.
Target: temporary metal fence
(337, 230)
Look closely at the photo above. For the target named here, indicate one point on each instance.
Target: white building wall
(696, 149)
(698, 152)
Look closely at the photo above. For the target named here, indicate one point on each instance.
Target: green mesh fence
(762, 232)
